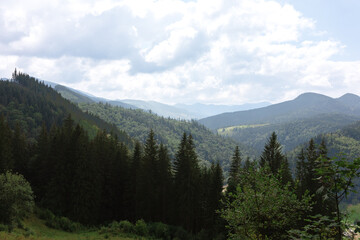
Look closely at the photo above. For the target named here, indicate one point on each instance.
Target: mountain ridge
(304, 106)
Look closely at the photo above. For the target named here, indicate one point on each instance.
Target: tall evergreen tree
(215, 223)
(164, 184)
(301, 174)
(187, 176)
(234, 172)
(273, 157)
(134, 186)
(149, 175)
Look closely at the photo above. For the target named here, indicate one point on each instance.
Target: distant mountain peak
(349, 96)
(311, 95)
(350, 100)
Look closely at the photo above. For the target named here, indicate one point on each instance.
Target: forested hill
(345, 140)
(291, 133)
(341, 143)
(137, 123)
(304, 106)
(30, 103)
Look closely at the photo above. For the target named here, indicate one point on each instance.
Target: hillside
(177, 111)
(290, 134)
(295, 122)
(304, 106)
(29, 102)
(137, 123)
(205, 110)
(344, 141)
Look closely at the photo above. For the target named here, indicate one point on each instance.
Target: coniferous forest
(61, 168)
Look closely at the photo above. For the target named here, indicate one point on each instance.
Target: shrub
(126, 226)
(61, 223)
(141, 228)
(159, 230)
(4, 228)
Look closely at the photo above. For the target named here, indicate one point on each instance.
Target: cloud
(214, 51)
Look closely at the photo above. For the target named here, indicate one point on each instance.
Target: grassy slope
(39, 231)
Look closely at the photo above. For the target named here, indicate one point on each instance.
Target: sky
(193, 51)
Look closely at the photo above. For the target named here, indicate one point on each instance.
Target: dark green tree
(186, 180)
(234, 173)
(277, 162)
(135, 181)
(6, 153)
(149, 180)
(164, 184)
(16, 198)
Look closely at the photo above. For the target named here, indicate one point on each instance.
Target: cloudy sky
(174, 51)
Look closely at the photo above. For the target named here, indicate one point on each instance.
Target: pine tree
(273, 157)
(187, 176)
(234, 172)
(215, 223)
(148, 178)
(164, 184)
(301, 174)
(134, 183)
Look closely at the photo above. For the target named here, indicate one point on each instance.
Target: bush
(127, 227)
(141, 228)
(16, 198)
(4, 228)
(159, 230)
(61, 223)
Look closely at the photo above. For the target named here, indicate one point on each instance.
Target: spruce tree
(164, 184)
(134, 183)
(187, 179)
(149, 176)
(301, 174)
(234, 173)
(273, 157)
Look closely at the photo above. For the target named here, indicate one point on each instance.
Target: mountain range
(177, 111)
(294, 121)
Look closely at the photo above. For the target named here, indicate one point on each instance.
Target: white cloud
(215, 51)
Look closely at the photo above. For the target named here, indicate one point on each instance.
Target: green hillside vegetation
(34, 228)
(30, 103)
(228, 130)
(72, 95)
(137, 123)
(343, 141)
(291, 134)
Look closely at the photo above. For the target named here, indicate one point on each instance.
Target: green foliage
(56, 222)
(30, 103)
(273, 158)
(138, 123)
(234, 173)
(141, 228)
(16, 198)
(263, 207)
(160, 230)
(126, 226)
(291, 133)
